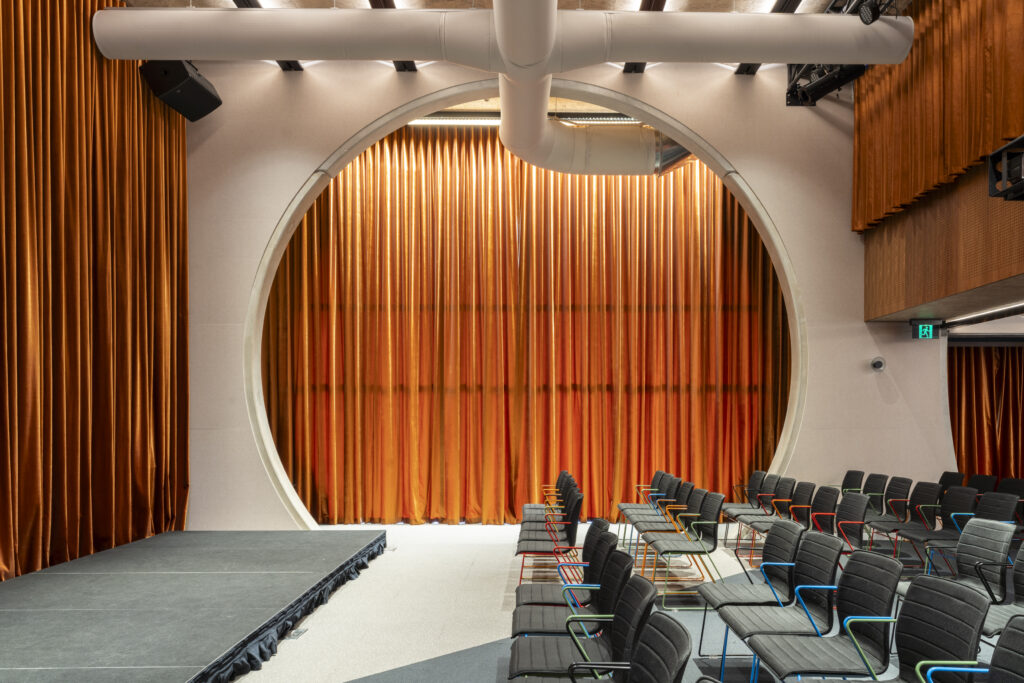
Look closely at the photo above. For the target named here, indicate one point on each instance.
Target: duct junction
(524, 42)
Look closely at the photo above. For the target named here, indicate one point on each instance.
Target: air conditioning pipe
(525, 42)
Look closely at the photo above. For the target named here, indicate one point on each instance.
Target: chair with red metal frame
(849, 521)
(747, 495)
(783, 492)
(999, 614)
(550, 619)
(797, 509)
(761, 498)
(553, 655)
(866, 589)
(551, 527)
(995, 506)
(898, 489)
(1005, 666)
(781, 505)
(985, 483)
(560, 543)
(917, 511)
(596, 546)
(664, 518)
(939, 621)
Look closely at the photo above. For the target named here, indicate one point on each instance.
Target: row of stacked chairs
(978, 524)
(598, 619)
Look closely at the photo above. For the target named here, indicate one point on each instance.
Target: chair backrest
(684, 493)
(1018, 577)
(662, 651)
(852, 508)
(597, 527)
(710, 510)
(983, 482)
(897, 490)
(825, 500)
(657, 478)
(1016, 487)
(771, 481)
(572, 515)
(694, 504)
(852, 480)
(617, 569)
(867, 588)
(802, 495)
(924, 493)
(606, 542)
(940, 620)
(949, 479)
(986, 541)
(874, 487)
(1007, 665)
(783, 491)
(631, 612)
(998, 506)
(671, 491)
(957, 499)
(817, 560)
(754, 485)
(780, 545)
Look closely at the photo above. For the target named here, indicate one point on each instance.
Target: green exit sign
(926, 329)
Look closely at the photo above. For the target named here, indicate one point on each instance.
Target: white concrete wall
(260, 159)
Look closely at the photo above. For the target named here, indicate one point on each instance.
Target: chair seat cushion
(541, 534)
(547, 619)
(733, 509)
(997, 617)
(543, 547)
(548, 594)
(732, 593)
(787, 655)
(537, 516)
(752, 516)
(765, 524)
(654, 526)
(678, 546)
(925, 535)
(553, 654)
(746, 620)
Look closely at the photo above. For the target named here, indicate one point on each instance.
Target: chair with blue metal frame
(1005, 666)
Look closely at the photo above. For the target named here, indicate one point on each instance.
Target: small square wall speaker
(180, 85)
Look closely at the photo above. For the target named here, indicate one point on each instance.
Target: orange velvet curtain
(986, 406)
(451, 326)
(93, 375)
(957, 97)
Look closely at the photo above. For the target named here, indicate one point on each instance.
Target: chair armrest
(775, 504)
(896, 500)
(856, 643)
(816, 515)
(856, 489)
(761, 502)
(570, 620)
(775, 564)
(921, 514)
(741, 491)
(949, 665)
(798, 589)
(984, 579)
(596, 668)
(799, 507)
(843, 531)
(567, 591)
(561, 574)
(956, 521)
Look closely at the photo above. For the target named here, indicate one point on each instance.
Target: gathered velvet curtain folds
(93, 376)
(958, 96)
(986, 405)
(451, 326)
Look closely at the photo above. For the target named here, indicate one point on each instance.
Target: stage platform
(180, 606)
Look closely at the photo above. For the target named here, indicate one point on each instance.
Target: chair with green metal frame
(940, 621)
(553, 655)
(660, 656)
(1005, 666)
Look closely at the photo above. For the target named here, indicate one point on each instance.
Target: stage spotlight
(869, 11)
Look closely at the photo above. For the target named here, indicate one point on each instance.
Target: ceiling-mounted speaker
(180, 85)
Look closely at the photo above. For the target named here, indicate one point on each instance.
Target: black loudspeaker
(181, 87)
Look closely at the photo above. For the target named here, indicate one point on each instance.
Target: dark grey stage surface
(202, 605)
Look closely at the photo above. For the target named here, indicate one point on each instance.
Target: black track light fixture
(869, 11)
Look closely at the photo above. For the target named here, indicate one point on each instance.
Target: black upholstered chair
(866, 589)
(596, 548)
(643, 492)
(892, 503)
(948, 480)
(848, 518)
(916, 512)
(958, 500)
(796, 509)
(874, 489)
(991, 506)
(699, 540)
(778, 558)
(747, 495)
(660, 656)
(783, 492)
(1006, 665)
(1001, 613)
(550, 619)
(852, 481)
(554, 498)
(984, 483)
(553, 655)
(940, 621)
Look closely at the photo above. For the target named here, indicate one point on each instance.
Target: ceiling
(810, 6)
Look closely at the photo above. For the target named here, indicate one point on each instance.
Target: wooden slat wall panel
(954, 240)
